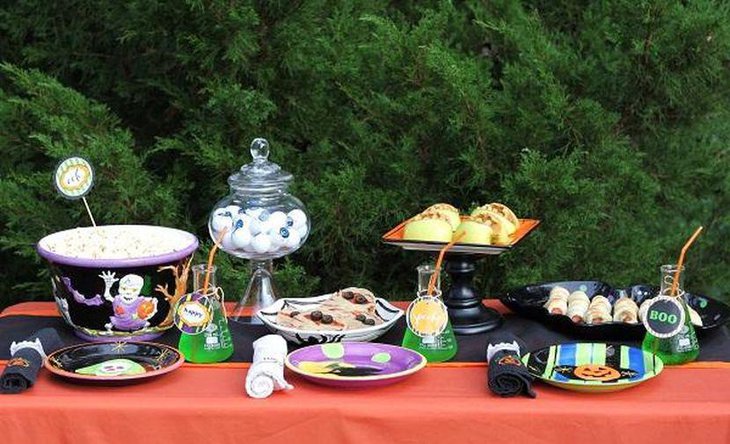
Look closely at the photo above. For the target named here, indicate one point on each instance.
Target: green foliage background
(608, 120)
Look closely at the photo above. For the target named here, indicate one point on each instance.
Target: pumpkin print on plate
(593, 367)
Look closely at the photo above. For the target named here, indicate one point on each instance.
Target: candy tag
(664, 317)
(427, 317)
(74, 177)
(193, 313)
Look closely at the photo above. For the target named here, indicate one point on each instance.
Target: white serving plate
(389, 313)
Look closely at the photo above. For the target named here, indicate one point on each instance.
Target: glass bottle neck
(672, 281)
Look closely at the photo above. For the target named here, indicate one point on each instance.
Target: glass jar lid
(261, 175)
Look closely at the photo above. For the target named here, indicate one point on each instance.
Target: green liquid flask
(437, 348)
(669, 314)
(214, 343)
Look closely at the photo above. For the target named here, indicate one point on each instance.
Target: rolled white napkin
(267, 371)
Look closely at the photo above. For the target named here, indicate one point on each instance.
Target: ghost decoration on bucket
(131, 311)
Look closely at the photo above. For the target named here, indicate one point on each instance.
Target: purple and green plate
(355, 364)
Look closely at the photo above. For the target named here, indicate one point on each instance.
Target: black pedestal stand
(467, 313)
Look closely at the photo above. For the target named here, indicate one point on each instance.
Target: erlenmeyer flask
(436, 348)
(214, 343)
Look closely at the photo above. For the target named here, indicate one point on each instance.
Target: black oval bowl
(528, 301)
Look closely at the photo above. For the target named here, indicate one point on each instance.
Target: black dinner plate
(528, 301)
(114, 362)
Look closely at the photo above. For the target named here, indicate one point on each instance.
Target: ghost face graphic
(130, 287)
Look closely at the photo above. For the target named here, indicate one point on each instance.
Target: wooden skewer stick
(88, 210)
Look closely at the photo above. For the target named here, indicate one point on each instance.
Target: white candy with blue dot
(257, 230)
(298, 218)
(261, 243)
(241, 238)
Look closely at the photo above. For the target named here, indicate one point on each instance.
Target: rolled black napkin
(27, 359)
(506, 375)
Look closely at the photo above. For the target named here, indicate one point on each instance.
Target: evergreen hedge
(608, 120)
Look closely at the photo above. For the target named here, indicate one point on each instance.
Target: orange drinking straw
(211, 255)
(442, 253)
(680, 262)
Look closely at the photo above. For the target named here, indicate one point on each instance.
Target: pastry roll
(626, 310)
(601, 301)
(557, 303)
(578, 303)
(599, 311)
(577, 310)
(559, 292)
(578, 296)
(557, 306)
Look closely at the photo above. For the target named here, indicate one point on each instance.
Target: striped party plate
(593, 367)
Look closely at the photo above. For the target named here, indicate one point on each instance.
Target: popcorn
(112, 242)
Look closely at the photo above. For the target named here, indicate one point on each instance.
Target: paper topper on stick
(73, 179)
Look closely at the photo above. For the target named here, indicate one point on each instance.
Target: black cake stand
(467, 312)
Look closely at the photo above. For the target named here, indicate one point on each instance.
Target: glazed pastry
(599, 311)
(450, 212)
(434, 227)
(501, 213)
(504, 211)
(626, 310)
(471, 231)
(501, 228)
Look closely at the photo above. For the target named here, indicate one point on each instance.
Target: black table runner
(714, 345)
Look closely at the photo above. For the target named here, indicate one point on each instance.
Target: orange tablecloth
(442, 403)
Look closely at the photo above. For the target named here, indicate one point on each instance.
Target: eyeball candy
(279, 237)
(261, 243)
(233, 209)
(241, 238)
(254, 227)
(242, 222)
(277, 219)
(302, 231)
(293, 240)
(227, 242)
(221, 220)
(253, 211)
(298, 218)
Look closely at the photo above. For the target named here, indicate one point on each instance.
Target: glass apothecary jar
(261, 221)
